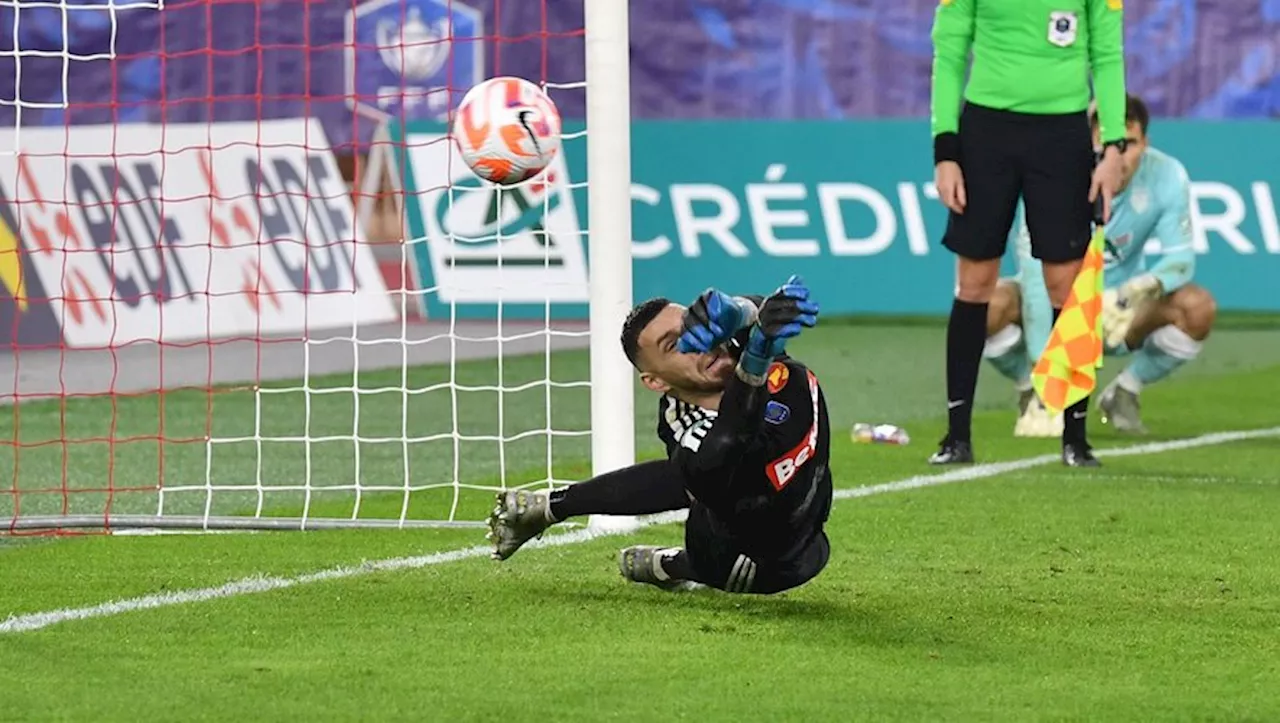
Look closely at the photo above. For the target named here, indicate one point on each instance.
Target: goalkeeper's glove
(782, 316)
(712, 320)
(1120, 306)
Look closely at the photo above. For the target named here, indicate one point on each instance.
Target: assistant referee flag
(1067, 370)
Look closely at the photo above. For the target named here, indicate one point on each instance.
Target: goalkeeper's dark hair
(640, 316)
(1135, 111)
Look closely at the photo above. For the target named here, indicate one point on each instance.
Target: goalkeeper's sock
(1166, 349)
(1007, 351)
(611, 494)
(966, 335)
(1076, 417)
(673, 564)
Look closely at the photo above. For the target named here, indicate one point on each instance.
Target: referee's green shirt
(1029, 56)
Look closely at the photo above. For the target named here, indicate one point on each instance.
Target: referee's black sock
(636, 493)
(1075, 417)
(966, 336)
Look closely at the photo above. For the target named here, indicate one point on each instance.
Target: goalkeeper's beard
(720, 366)
(713, 371)
(703, 382)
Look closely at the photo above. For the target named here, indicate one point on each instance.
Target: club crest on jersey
(777, 377)
(1064, 25)
(776, 412)
(1140, 199)
(1111, 251)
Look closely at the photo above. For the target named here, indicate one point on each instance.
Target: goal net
(246, 282)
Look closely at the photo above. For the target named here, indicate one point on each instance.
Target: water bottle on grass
(880, 434)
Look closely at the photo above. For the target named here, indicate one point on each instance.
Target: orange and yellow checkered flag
(1067, 370)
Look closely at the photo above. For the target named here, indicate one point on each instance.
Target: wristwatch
(1121, 145)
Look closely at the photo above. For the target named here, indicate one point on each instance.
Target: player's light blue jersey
(1152, 214)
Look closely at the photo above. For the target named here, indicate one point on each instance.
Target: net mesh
(226, 302)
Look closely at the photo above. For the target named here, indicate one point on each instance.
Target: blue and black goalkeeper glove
(781, 317)
(712, 320)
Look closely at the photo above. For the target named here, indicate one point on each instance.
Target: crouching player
(747, 438)
(1153, 312)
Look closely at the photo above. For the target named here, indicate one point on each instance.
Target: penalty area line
(265, 583)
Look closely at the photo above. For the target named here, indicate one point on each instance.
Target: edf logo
(412, 59)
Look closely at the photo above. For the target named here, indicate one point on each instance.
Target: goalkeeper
(747, 439)
(1155, 313)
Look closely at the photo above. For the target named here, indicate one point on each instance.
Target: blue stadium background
(779, 59)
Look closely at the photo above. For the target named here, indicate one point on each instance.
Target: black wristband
(946, 147)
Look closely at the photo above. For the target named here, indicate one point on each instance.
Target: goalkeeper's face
(664, 369)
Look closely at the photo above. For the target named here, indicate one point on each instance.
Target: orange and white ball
(507, 130)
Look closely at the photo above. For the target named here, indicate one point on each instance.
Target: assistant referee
(1023, 131)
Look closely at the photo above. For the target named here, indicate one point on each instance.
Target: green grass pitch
(1145, 590)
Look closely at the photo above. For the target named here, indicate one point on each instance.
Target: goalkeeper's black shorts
(720, 562)
(1046, 160)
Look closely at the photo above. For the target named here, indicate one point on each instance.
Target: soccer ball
(507, 130)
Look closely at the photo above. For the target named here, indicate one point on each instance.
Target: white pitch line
(981, 471)
(262, 583)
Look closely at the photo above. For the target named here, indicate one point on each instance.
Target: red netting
(205, 301)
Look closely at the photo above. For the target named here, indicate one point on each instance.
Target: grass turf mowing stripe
(259, 584)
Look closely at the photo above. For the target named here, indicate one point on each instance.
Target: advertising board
(180, 232)
(741, 205)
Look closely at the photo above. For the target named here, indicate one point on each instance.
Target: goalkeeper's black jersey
(759, 467)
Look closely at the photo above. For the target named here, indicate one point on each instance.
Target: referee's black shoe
(953, 451)
(1079, 454)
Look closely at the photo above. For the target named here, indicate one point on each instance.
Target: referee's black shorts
(1048, 160)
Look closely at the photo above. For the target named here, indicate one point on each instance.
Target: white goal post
(609, 237)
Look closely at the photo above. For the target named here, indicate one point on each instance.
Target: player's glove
(1119, 306)
(712, 320)
(782, 316)
(1140, 289)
